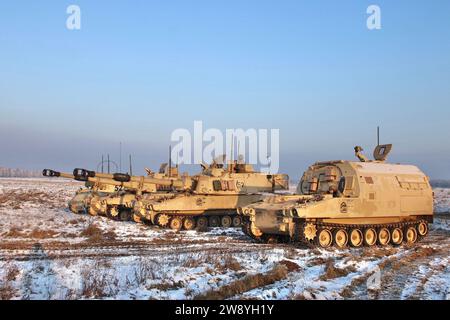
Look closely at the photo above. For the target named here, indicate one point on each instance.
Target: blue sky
(137, 70)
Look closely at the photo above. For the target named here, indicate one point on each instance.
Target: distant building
(18, 173)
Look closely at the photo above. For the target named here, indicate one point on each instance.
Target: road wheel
(92, 211)
(384, 236)
(341, 238)
(411, 235)
(272, 240)
(124, 215)
(325, 238)
(226, 221)
(254, 230)
(214, 221)
(370, 237)
(397, 236)
(176, 223)
(422, 228)
(202, 223)
(162, 220)
(136, 218)
(189, 223)
(113, 212)
(356, 238)
(237, 221)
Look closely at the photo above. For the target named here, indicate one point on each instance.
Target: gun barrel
(87, 175)
(53, 173)
(105, 181)
(84, 174)
(123, 177)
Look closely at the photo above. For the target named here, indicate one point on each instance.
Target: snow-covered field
(46, 252)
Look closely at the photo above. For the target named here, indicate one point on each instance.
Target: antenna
(120, 156)
(108, 165)
(230, 166)
(131, 167)
(239, 149)
(102, 164)
(378, 135)
(232, 147)
(170, 161)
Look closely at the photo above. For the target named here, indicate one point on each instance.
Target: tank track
(123, 213)
(264, 238)
(126, 214)
(300, 238)
(200, 223)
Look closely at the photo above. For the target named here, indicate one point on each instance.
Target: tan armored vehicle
(119, 204)
(80, 202)
(107, 195)
(210, 198)
(345, 203)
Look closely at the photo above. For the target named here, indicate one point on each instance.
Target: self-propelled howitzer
(118, 204)
(81, 201)
(210, 198)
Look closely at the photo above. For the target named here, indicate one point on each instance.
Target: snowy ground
(46, 252)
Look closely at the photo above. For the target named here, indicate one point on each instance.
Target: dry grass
(228, 263)
(299, 296)
(291, 266)
(193, 261)
(250, 282)
(14, 232)
(209, 270)
(96, 234)
(318, 261)
(347, 292)
(36, 233)
(92, 231)
(290, 253)
(145, 270)
(42, 234)
(378, 253)
(12, 273)
(16, 197)
(7, 292)
(166, 286)
(331, 272)
(69, 235)
(97, 283)
(222, 262)
(416, 254)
